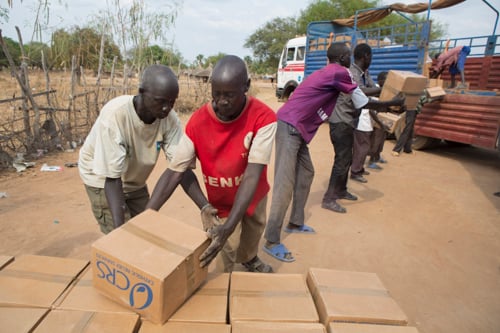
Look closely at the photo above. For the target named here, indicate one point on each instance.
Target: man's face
(228, 97)
(345, 58)
(160, 103)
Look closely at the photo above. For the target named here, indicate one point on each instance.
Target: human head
(230, 84)
(363, 55)
(339, 53)
(159, 90)
(381, 77)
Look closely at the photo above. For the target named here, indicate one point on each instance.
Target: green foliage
(83, 43)
(33, 52)
(14, 50)
(136, 25)
(210, 61)
(156, 55)
(267, 41)
(327, 10)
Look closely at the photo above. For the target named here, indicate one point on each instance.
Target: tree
(267, 42)
(155, 54)
(14, 50)
(84, 43)
(326, 10)
(33, 51)
(135, 27)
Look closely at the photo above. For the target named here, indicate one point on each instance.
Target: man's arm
(113, 188)
(383, 106)
(220, 233)
(191, 186)
(164, 188)
(375, 118)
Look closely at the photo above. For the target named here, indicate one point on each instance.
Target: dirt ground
(427, 224)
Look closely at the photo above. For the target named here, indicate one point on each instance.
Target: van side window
(300, 53)
(290, 53)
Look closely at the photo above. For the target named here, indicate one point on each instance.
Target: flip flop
(279, 252)
(303, 229)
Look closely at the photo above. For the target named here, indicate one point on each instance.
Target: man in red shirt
(232, 137)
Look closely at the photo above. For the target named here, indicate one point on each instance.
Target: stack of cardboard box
(145, 277)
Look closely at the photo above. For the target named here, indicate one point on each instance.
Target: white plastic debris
(46, 167)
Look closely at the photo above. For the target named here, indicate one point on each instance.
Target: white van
(291, 67)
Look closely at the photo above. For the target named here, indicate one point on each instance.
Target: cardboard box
(412, 85)
(368, 328)
(20, 319)
(150, 264)
(84, 321)
(5, 260)
(37, 281)
(276, 327)
(435, 83)
(81, 295)
(183, 327)
(270, 297)
(353, 297)
(435, 92)
(208, 304)
(391, 120)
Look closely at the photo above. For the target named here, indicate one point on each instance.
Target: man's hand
(399, 100)
(219, 235)
(209, 217)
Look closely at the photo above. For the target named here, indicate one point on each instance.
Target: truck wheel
(424, 142)
(419, 142)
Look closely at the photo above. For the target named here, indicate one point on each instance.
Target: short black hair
(382, 75)
(335, 50)
(361, 50)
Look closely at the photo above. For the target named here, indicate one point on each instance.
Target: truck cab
(291, 67)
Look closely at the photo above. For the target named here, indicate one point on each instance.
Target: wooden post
(24, 71)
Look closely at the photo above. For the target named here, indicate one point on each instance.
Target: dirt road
(427, 224)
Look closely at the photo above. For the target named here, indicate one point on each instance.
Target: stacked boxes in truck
(470, 116)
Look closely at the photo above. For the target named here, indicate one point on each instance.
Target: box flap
(82, 321)
(19, 319)
(180, 327)
(353, 297)
(276, 327)
(208, 304)
(5, 260)
(369, 328)
(37, 280)
(161, 239)
(84, 297)
(270, 297)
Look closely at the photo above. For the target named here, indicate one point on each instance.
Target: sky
(208, 27)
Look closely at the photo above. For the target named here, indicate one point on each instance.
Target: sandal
(280, 252)
(257, 266)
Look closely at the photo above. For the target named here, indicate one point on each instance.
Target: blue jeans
(293, 176)
(342, 138)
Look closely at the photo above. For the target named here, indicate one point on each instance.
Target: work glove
(209, 217)
(219, 235)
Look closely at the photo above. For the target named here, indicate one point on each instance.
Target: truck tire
(424, 142)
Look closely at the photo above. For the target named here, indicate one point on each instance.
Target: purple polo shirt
(314, 99)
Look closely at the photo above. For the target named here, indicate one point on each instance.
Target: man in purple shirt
(298, 121)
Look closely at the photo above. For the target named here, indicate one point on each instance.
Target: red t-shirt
(224, 150)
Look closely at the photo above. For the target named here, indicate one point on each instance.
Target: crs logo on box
(140, 294)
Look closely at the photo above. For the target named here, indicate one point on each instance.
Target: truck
(291, 67)
(467, 116)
